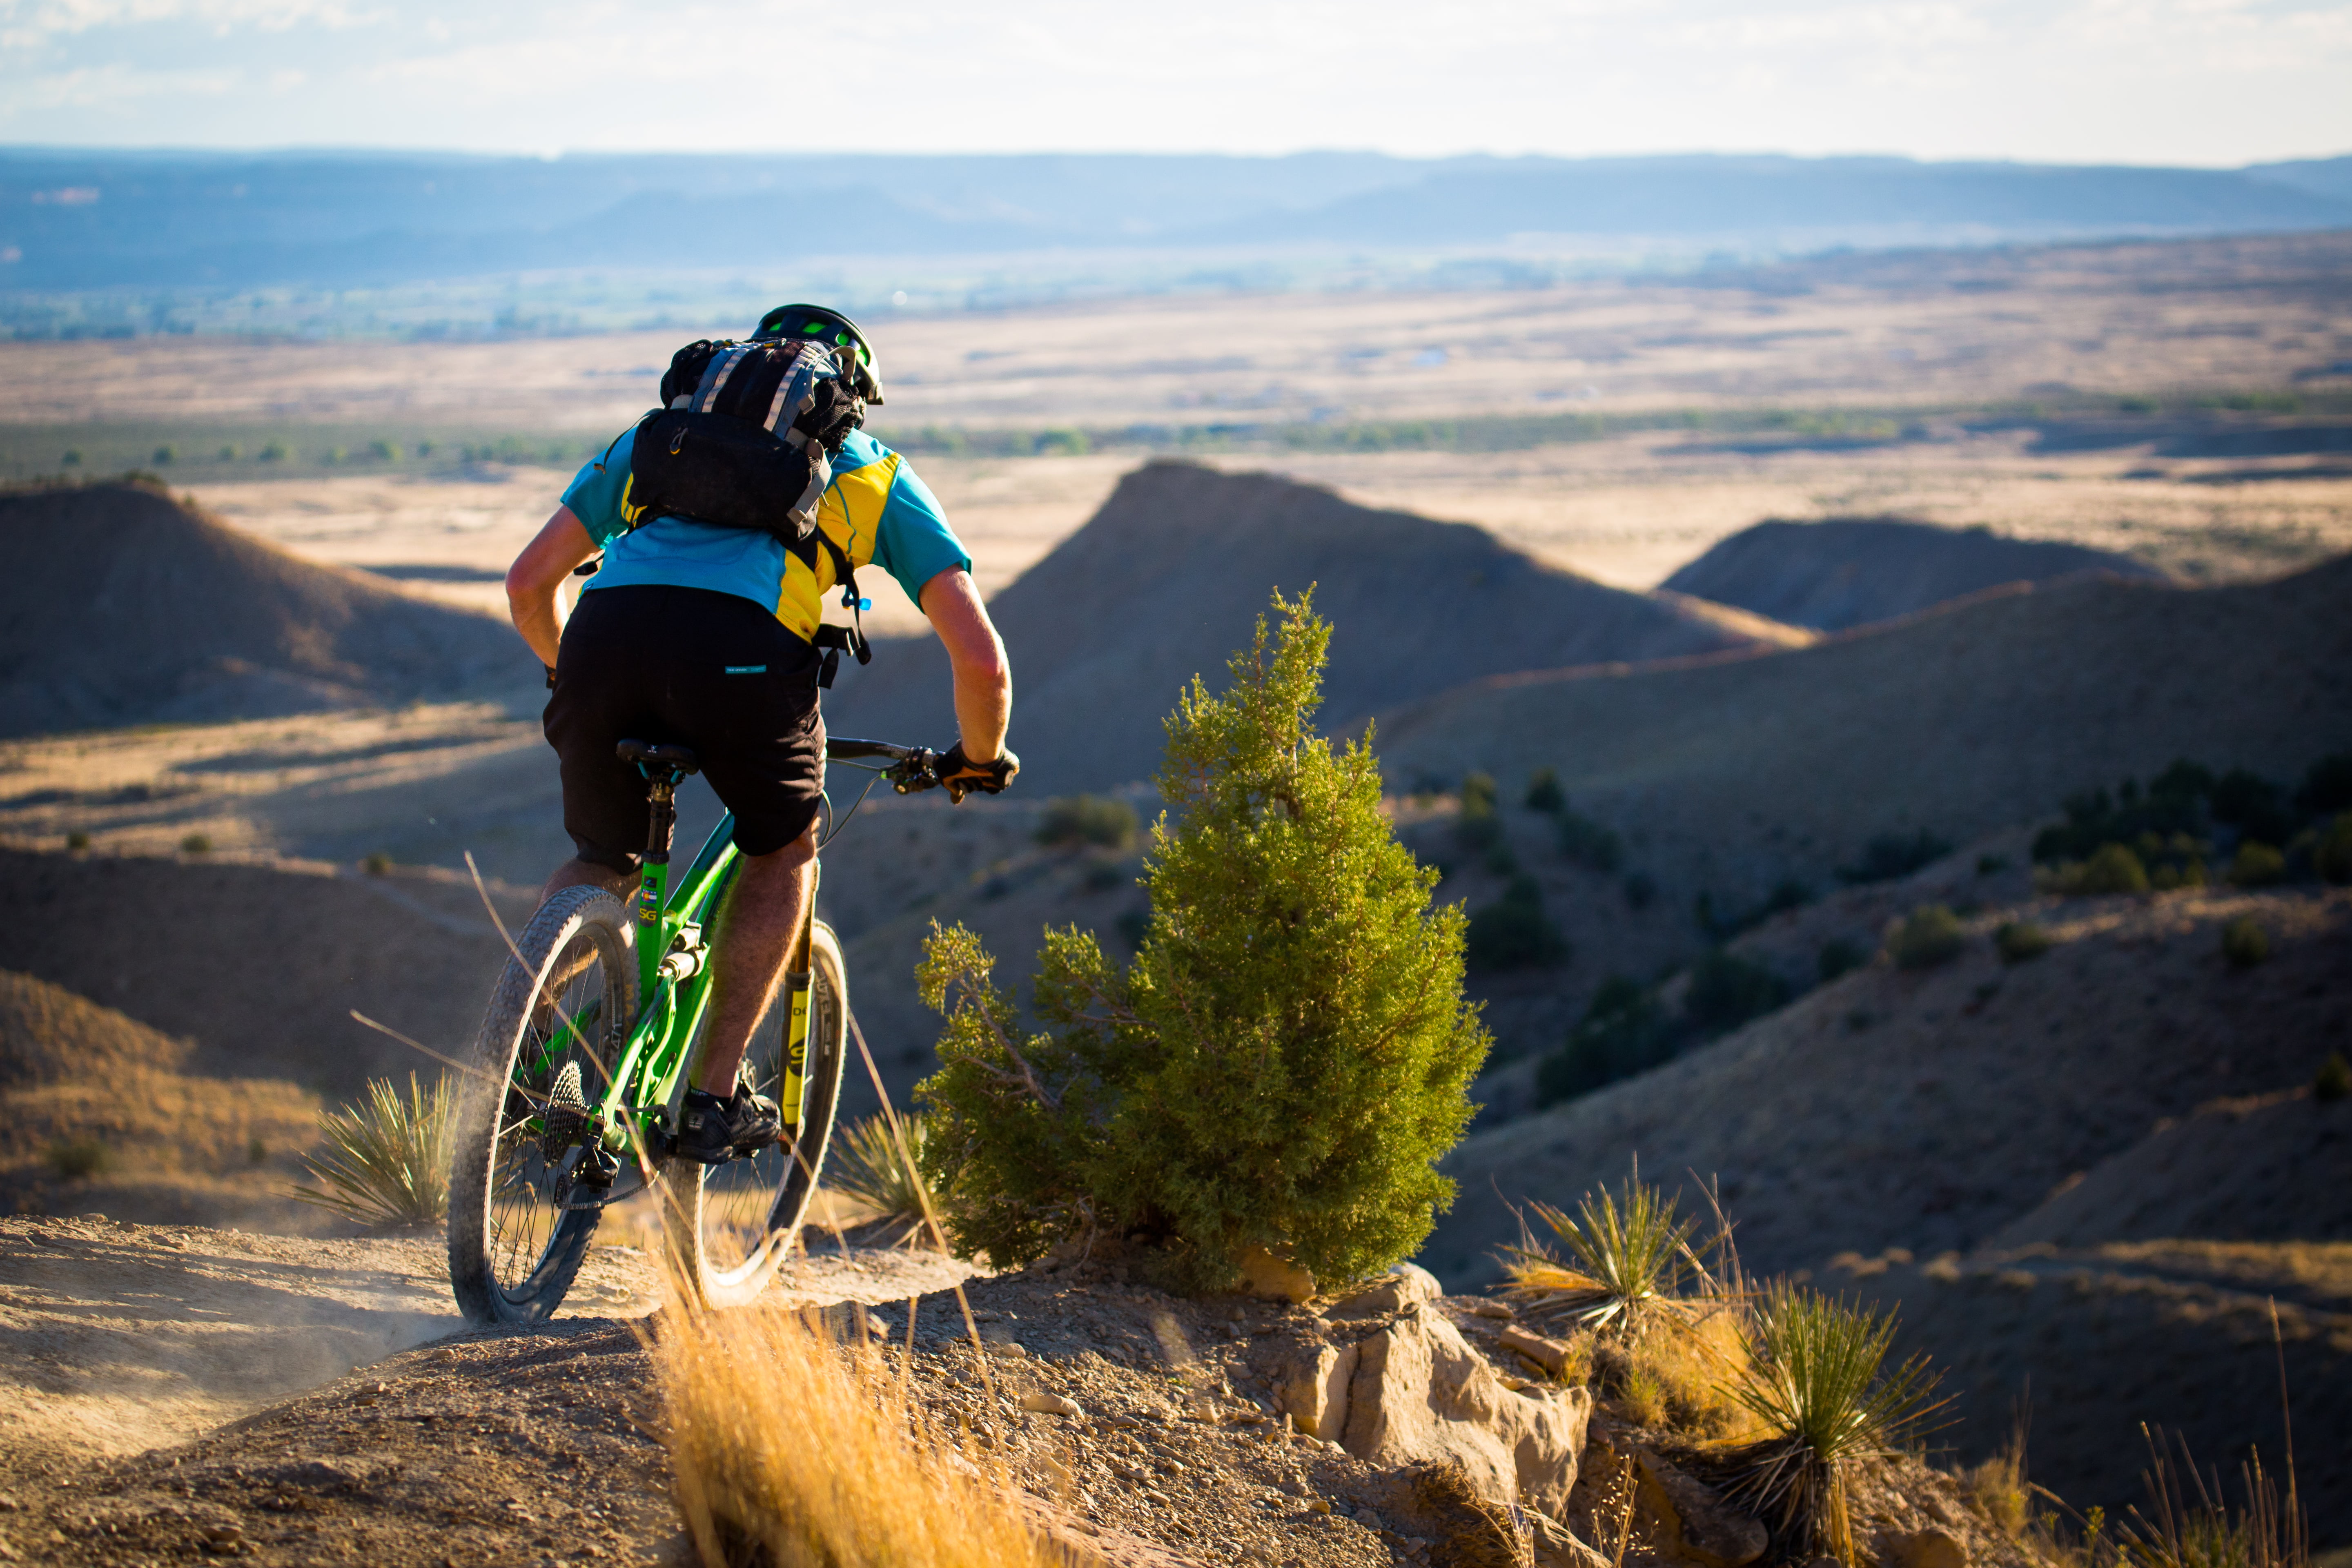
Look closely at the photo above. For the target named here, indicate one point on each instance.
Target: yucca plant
(1627, 1260)
(387, 1157)
(1815, 1377)
(870, 1170)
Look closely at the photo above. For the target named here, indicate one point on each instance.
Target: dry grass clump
(873, 1172)
(1630, 1255)
(387, 1157)
(1683, 1380)
(1816, 1382)
(2190, 1523)
(790, 1451)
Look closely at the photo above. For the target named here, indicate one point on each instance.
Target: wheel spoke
(530, 1181)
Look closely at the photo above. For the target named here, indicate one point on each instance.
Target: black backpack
(745, 438)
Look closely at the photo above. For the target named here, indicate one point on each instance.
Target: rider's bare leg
(756, 933)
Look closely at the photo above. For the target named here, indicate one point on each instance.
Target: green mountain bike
(588, 1049)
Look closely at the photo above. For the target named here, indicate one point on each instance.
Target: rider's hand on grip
(962, 776)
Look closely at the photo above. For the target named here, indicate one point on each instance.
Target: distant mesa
(121, 607)
(1965, 721)
(1165, 582)
(1847, 571)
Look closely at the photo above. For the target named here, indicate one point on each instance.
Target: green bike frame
(674, 974)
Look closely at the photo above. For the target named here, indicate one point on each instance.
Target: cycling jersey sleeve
(594, 493)
(913, 541)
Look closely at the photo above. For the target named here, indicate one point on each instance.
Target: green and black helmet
(819, 324)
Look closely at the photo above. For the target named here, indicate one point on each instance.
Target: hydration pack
(745, 438)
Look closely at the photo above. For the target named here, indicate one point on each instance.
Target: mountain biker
(700, 635)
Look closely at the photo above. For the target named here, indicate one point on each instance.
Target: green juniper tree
(1283, 1062)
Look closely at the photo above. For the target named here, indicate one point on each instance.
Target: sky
(2210, 82)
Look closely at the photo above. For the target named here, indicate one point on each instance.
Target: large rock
(1312, 1391)
(1421, 1393)
(1406, 1285)
(1700, 1526)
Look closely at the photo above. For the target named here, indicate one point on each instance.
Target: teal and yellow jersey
(875, 511)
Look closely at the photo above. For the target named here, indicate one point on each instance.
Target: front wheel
(548, 1043)
(729, 1228)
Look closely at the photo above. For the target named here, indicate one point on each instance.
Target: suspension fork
(799, 976)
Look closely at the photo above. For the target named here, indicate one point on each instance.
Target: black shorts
(692, 668)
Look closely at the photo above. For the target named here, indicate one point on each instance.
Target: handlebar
(912, 770)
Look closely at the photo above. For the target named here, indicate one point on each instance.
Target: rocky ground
(364, 1422)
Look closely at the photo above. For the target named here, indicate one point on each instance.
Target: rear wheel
(550, 1040)
(730, 1227)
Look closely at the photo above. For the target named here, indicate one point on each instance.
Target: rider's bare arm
(983, 680)
(535, 580)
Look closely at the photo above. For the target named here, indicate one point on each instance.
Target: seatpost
(661, 827)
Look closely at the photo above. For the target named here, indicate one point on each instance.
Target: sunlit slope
(1738, 772)
(120, 606)
(1166, 579)
(1846, 572)
(1932, 1110)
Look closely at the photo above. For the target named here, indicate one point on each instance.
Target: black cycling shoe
(714, 1131)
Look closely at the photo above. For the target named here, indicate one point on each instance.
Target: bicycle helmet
(821, 324)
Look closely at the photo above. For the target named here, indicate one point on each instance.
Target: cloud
(2211, 81)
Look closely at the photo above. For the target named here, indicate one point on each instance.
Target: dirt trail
(119, 1341)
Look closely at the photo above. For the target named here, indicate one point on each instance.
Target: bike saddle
(677, 762)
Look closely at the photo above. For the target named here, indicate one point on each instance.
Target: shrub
(1838, 957)
(1479, 828)
(384, 451)
(276, 452)
(387, 1157)
(2256, 865)
(164, 455)
(2333, 1081)
(377, 863)
(1626, 1262)
(1623, 1032)
(2112, 869)
(230, 453)
(2244, 942)
(80, 1158)
(1927, 936)
(1641, 890)
(1088, 819)
(2254, 804)
(1725, 991)
(77, 840)
(257, 1152)
(195, 844)
(1589, 844)
(1816, 1379)
(2327, 785)
(2019, 941)
(1283, 1062)
(1893, 854)
(2333, 855)
(72, 459)
(1514, 932)
(1991, 865)
(871, 1172)
(1544, 793)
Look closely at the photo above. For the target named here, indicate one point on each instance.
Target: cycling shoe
(712, 1131)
